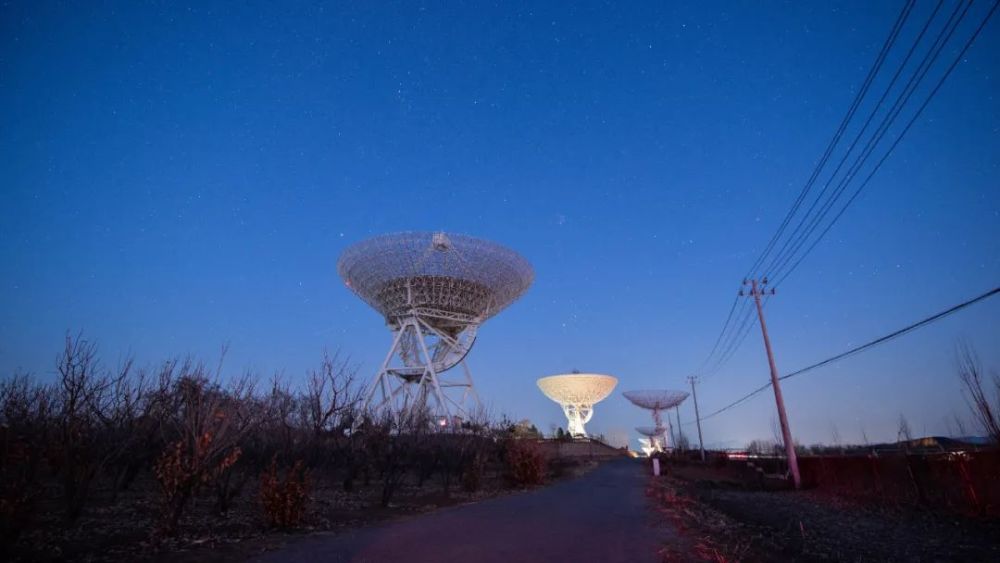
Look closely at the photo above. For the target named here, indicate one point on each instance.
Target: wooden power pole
(697, 417)
(756, 290)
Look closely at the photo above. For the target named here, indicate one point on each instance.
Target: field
(729, 511)
(112, 464)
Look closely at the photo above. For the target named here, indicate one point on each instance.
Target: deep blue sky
(174, 178)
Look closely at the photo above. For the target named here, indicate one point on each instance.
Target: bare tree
(85, 399)
(331, 393)
(985, 409)
(903, 433)
(207, 425)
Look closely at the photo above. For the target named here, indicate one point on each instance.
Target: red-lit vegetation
(107, 462)
(724, 511)
(525, 463)
(284, 500)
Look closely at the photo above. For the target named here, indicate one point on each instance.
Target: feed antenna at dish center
(434, 291)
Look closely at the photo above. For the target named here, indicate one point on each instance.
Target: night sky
(179, 177)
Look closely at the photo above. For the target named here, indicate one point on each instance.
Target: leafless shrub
(208, 424)
(985, 409)
(92, 405)
(25, 411)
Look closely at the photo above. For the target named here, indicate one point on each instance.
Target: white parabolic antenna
(654, 434)
(434, 290)
(577, 393)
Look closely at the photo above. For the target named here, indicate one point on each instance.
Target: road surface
(602, 516)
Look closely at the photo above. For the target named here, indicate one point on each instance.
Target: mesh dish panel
(650, 431)
(656, 399)
(450, 273)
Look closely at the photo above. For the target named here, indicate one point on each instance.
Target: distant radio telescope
(434, 290)
(577, 393)
(656, 401)
(654, 438)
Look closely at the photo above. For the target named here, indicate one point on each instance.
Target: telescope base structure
(577, 415)
(410, 378)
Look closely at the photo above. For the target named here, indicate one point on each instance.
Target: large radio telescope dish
(434, 290)
(656, 399)
(453, 280)
(577, 393)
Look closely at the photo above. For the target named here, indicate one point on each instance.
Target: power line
(858, 349)
(718, 339)
(855, 104)
(794, 244)
(793, 240)
(895, 334)
(725, 343)
(896, 142)
(735, 339)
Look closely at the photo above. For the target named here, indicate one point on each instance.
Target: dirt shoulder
(726, 520)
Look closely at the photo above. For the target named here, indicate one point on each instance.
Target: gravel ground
(812, 526)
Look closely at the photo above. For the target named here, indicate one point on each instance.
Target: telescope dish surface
(577, 393)
(656, 399)
(582, 388)
(650, 431)
(450, 280)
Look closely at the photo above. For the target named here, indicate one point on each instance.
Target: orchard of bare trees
(183, 440)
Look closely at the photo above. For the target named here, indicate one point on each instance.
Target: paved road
(602, 516)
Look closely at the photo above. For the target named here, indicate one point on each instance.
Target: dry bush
(25, 411)
(985, 409)
(208, 424)
(94, 420)
(284, 500)
(524, 463)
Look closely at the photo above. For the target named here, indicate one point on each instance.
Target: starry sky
(177, 177)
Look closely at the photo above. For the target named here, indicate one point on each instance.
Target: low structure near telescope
(656, 401)
(577, 393)
(434, 290)
(654, 438)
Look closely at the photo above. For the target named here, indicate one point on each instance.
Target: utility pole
(697, 416)
(793, 463)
